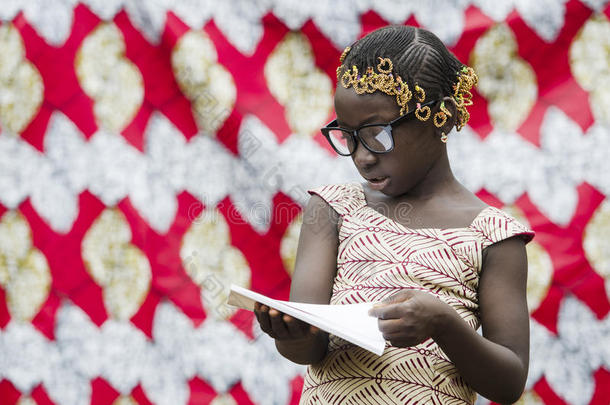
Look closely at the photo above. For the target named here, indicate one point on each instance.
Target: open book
(350, 322)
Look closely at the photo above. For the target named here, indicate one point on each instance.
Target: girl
(438, 260)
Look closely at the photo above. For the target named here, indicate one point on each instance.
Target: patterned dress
(377, 258)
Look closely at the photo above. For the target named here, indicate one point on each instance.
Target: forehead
(353, 108)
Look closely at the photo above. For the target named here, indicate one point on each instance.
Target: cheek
(419, 144)
(413, 134)
(407, 153)
(409, 161)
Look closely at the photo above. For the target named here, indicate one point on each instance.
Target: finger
(399, 296)
(263, 318)
(296, 328)
(391, 326)
(375, 310)
(277, 324)
(388, 311)
(257, 310)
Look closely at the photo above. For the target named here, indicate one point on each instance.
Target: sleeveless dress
(377, 257)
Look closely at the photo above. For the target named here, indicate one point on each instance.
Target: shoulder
(494, 225)
(343, 198)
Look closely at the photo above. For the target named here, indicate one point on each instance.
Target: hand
(281, 326)
(409, 317)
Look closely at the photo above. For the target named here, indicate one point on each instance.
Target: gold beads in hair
(467, 78)
(344, 54)
(440, 118)
(383, 80)
(444, 109)
(420, 94)
(390, 83)
(425, 109)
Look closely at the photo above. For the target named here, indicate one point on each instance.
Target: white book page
(350, 322)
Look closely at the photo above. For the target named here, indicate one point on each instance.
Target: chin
(392, 191)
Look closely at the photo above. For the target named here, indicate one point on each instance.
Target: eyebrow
(374, 119)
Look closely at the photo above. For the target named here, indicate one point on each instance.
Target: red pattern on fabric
(44, 321)
(601, 396)
(102, 393)
(139, 395)
(41, 397)
(163, 95)
(240, 395)
(5, 315)
(544, 390)
(252, 90)
(8, 392)
(262, 250)
(56, 66)
(63, 253)
(556, 85)
(296, 386)
(169, 278)
(573, 273)
(201, 392)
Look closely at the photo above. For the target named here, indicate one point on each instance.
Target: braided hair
(419, 57)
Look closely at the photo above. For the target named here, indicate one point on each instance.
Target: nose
(363, 157)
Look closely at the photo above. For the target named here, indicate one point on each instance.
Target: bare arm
(315, 268)
(494, 364)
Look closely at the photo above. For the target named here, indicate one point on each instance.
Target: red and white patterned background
(151, 153)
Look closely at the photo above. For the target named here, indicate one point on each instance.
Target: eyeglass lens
(376, 138)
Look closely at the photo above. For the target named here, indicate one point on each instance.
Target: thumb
(394, 299)
(400, 296)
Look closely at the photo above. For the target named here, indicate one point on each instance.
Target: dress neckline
(366, 205)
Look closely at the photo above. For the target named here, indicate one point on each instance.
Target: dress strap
(496, 225)
(343, 198)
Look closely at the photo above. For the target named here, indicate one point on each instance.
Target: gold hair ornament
(345, 52)
(440, 117)
(444, 109)
(383, 80)
(386, 81)
(420, 94)
(425, 110)
(467, 78)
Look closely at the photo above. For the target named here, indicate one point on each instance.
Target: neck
(437, 181)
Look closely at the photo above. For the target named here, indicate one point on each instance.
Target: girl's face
(416, 144)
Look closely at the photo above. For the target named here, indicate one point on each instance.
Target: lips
(378, 183)
(376, 179)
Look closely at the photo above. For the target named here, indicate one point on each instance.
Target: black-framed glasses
(377, 138)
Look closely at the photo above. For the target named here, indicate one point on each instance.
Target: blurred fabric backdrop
(153, 152)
